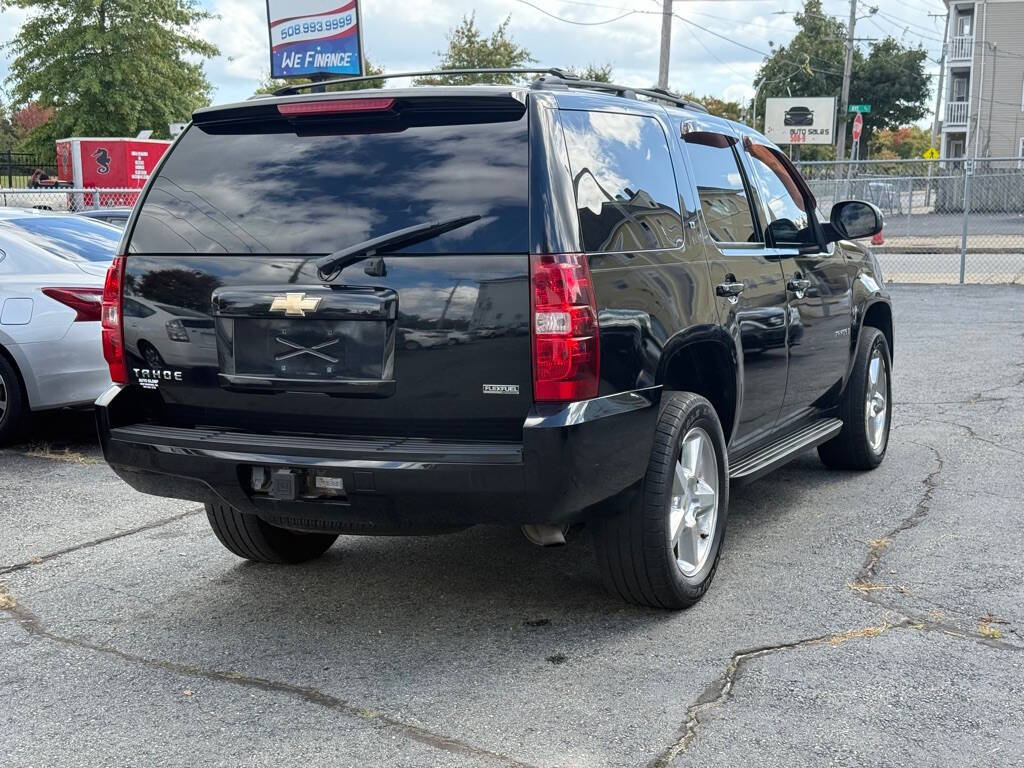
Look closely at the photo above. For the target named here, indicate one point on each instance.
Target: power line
(902, 25)
(716, 56)
(578, 23)
(766, 54)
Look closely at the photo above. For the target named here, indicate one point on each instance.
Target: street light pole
(844, 102)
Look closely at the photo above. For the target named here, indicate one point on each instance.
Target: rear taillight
(110, 317)
(566, 353)
(85, 301)
(335, 107)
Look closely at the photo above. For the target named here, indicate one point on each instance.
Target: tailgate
(228, 324)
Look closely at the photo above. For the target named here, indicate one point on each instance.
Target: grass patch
(855, 634)
(866, 586)
(47, 451)
(987, 630)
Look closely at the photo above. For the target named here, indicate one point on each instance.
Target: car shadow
(65, 429)
(394, 583)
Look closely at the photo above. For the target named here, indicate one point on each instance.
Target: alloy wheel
(693, 511)
(876, 402)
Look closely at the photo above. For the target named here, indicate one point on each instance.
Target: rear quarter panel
(649, 302)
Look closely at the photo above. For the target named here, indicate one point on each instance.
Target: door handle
(798, 284)
(729, 289)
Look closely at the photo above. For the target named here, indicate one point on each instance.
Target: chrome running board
(782, 450)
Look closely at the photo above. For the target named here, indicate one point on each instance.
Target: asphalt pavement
(856, 619)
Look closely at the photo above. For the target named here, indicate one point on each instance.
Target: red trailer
(88, 163)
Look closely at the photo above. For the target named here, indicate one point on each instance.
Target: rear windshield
(248, 187)
(70, 237)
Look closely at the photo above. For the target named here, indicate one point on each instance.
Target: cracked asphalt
(856, 619)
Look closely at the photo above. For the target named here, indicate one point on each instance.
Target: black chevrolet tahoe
(409, 311)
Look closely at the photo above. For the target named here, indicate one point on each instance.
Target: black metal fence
(17, 167)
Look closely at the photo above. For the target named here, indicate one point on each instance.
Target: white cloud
(240, 31)
(10, 22)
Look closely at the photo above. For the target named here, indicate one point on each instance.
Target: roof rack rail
(624, 91)
(550, 77)
(557, 72)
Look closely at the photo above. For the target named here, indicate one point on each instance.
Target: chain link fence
(61, 198)
(946, 221)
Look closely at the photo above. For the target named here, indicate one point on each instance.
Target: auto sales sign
(314, 37)
(800, 120)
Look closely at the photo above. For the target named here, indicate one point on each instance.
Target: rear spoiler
(503, 103)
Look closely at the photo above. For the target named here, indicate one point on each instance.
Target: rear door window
(626, 195)
(723, 195)
(268, 186)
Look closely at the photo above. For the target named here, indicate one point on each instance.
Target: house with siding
(983, 114)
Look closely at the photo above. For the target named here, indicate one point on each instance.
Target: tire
(863, 440)
(13, 405)
(250, 537)
(639, 559)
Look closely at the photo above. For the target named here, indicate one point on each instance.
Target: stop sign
(858, 126)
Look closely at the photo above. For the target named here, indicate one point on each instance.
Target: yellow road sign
(930, 154)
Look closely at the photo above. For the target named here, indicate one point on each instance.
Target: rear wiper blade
(330, 265)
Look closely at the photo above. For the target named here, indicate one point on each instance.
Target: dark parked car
(798, 116)
(605, 256)
(118, 217)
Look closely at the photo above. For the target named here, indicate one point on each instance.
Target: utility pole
(942, 83)
(666, 43)
(844, 102)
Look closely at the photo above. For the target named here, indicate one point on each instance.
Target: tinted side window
(783, 202)
(626, 194)
(723, 197)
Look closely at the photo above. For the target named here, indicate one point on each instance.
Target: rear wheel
(12, 403)
(662, 551)
(866, 409)
(250, 537)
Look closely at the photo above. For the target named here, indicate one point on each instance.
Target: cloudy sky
(405, 34)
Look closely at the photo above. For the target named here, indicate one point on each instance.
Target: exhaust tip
(545, 534)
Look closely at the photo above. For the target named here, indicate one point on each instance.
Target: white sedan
(52, 268)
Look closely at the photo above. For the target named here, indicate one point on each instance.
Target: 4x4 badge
(295, 304)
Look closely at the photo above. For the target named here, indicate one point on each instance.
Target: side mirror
(854, 219)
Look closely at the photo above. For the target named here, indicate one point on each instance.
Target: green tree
(8, 137)
(908, 142)
(890, 77)
(469, 48)
(811, 64)
(598, 73)
(108, 67)
(269, 84)
(730, 110)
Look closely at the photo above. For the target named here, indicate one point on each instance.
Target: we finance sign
(314, 37)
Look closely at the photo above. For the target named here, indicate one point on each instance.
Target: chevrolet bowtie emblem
(295, 304)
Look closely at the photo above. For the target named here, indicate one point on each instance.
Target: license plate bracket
(341, 341)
